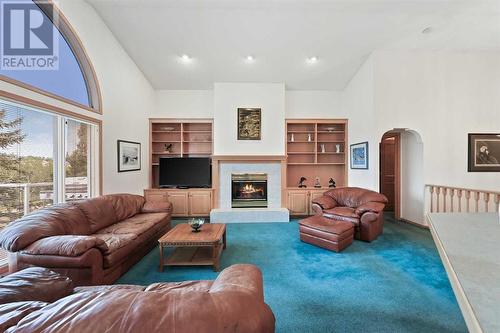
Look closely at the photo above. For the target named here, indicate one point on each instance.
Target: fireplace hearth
(249, 190)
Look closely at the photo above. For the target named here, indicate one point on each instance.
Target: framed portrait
(484, 152)
(359, 155)
(249, 124)
(129, 156)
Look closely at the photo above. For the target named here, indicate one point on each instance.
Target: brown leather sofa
(39, 300)
(359, 206)
(92, 241)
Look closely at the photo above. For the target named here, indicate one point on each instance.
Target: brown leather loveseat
(39, 300)
(359, 206)
(92, 241)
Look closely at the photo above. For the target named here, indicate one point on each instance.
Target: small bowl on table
(196, 224)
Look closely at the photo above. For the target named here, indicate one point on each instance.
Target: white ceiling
(281, 34)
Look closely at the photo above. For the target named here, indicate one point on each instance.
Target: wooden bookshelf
(305, 140)
(188, 137)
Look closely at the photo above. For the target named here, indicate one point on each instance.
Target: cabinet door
(179, 202)
(155, 195)
(200, 203)
(312, 196)
(298, 202)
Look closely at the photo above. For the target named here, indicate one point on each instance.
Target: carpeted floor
(394, 284)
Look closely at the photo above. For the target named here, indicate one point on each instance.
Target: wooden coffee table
(202, 248)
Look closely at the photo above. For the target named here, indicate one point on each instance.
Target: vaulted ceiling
(218, 35)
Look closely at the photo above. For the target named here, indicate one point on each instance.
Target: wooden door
(389, 170)
(200, 203)
(179, 200)
(314, 195)
(298, 202)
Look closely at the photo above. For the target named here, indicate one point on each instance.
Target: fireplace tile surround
(225, 213)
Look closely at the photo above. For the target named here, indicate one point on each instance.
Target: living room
(250, 166)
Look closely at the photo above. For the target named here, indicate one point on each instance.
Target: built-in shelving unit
(316, 148)
(186, 138)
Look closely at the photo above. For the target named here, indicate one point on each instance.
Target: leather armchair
(359, 206)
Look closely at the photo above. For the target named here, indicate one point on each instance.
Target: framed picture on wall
(249, 124)
(484, 152)
(129, 156)
(359, 155)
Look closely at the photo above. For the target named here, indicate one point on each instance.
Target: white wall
(442, 96)
(412, 177)
(358, 105)
(184, 104)
(314, 104)
(127, 96)
(270, 97)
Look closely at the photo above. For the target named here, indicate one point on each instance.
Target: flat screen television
(185, 172)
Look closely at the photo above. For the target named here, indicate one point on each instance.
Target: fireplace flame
(248, 188)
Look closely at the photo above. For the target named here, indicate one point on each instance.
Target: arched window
(72, 79)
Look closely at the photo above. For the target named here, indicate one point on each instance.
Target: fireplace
(248, 190)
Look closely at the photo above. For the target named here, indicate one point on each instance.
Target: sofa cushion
(137, 224)
(115, 241)
(99, 212)
(34, 284)
(69, 245)
(157, 207)
(342, 214)
(125, 205)
(60, 219)
(355, 196)
(12, 313)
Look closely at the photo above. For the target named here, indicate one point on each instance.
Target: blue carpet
(394, 284)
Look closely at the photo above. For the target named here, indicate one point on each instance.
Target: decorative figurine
(317, 183)
(301, 182)
(337, 148)
(168, 148)
(292, 139)
(323, 148)
(331, 183)
(309, 137)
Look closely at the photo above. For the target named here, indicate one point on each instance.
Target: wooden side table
(202, 248)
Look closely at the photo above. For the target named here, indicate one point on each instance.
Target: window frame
(75, 44)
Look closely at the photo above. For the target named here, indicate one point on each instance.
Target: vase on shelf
(292, 139)
(309, 138)
(337, 148)
(322, 146)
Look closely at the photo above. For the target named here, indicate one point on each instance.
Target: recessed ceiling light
(250, 58)
(427, 30)
(312, 60)
(186, 58)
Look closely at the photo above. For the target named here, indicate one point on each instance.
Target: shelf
(198, 153)
(198, 141)
(332, 153)
(331, 132)
(313, 163)
(300, 141)
(164, 153)
(165, 131)
(323, 141)
(302, 132)
(301, 153)
(198, 131)
(164, 141)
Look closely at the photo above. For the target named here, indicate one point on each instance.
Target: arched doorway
(401, 174)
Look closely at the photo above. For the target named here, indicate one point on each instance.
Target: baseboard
(423, 226)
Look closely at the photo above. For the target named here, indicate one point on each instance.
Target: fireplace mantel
(221, 159)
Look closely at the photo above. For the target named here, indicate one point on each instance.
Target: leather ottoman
(326, 233)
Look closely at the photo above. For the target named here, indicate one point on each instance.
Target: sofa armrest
(374, 207)
(157, 207)
(325, 202)
(34, 284)
(68, 245)
(242, 278)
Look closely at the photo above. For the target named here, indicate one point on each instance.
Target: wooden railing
(449, 199)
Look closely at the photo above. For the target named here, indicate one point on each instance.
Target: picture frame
(483, 152)
(249, 124)
(359, 155)
(128, 155)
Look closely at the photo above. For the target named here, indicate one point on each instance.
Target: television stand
(186, 202)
